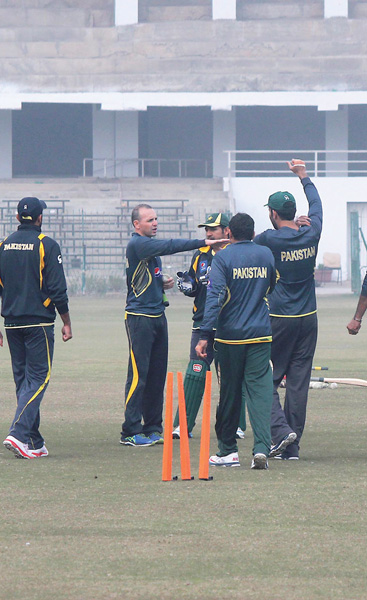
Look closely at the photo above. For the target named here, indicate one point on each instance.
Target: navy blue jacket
(144, 271)
(364, 286)
(32, 278)
(242, 275)
(200, 263)
(295, 254)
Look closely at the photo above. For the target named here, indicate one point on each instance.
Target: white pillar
(115, 143)
(126, 12)
(336, 138)
(103, 142)
(224, 138)
(6, 164)
(335, 8)
(224, 9)
(127, 143)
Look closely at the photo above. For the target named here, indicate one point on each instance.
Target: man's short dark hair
(135, 216)
(288, 212)
(242, 226)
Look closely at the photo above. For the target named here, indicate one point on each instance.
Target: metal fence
(320, 163)
(147, 167)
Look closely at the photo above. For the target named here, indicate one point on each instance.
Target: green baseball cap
(216, 220)
(279, 200)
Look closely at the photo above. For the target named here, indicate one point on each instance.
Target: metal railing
(320, 163)
(147, 167)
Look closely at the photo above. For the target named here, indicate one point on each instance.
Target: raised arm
(298, 167)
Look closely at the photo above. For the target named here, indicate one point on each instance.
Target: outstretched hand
(216, 242)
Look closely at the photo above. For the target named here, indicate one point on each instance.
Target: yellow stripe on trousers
(135, 380)
(46, 380)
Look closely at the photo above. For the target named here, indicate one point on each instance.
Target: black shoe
(278, 448)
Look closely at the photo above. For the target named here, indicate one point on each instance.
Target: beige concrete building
(170, 92)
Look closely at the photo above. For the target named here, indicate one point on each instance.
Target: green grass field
(94, 520)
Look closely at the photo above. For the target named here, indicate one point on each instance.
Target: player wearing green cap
(193, 283)
(292, 309)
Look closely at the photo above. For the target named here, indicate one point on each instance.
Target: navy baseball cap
(280, 200)
(30, 208)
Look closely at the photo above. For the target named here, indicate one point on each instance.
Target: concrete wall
(58, 13)
(219, 56)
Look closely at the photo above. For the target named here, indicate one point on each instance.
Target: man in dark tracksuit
(146, 327)
(194, 285)
(292, 309)
(32, 284)
(241, 276)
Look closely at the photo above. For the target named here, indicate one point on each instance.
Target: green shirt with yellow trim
(241, 276)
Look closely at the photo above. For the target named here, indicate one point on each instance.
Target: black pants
(146, 376)
(292, 350)
(31, 351)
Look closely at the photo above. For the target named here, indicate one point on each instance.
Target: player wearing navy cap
(32, 285)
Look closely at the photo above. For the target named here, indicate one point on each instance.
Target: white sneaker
(40, 452)
(18, 448)
(259, 461)
(176, 433)
(230, 460)
(240, 434)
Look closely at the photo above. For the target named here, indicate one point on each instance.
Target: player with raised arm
(292, 308)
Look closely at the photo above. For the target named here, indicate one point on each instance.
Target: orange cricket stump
(205, 431)
(167, 447)
(184, 434)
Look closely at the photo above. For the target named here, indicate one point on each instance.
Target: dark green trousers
(244, 368)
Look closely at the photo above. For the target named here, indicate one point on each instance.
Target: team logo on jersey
(203, 266)
(157, 272)
(197, 368)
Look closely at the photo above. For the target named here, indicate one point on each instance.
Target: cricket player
(356, 323)
(292, 309)
(32, 284)
(242, 275)
(146, 327)
(193, 283)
